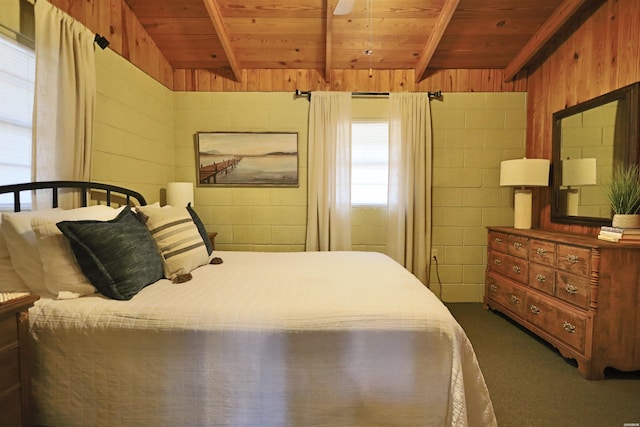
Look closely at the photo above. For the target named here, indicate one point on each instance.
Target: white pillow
(22, 246)
(9, 279)
(155, 205)
(22, 241)
(62, 274)
(177, 238)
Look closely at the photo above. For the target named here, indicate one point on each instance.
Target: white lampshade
(524, 173)
(179, 193)
(577, 172)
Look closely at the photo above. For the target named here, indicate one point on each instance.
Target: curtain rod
(307, 93)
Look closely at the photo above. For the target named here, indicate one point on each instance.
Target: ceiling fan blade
(344, 7)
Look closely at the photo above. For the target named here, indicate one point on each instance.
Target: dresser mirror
(589, 140)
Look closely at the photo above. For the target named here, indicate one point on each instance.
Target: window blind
(17, 82)
(369, 163)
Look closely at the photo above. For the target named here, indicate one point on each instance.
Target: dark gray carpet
(531, 384)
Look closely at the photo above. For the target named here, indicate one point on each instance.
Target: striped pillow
(177, 238)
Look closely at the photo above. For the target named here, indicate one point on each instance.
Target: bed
(260, 339)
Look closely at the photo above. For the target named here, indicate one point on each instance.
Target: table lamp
(523, 174)
(576, 173)
(180, 194)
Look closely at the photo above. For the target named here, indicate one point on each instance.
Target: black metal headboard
(88, 192)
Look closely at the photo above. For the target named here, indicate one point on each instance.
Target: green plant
(624, 190)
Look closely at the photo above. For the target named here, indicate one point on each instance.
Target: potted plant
(624, 194)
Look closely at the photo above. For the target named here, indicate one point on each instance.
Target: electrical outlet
(434, 254)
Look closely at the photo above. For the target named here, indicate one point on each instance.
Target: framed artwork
(251, 159)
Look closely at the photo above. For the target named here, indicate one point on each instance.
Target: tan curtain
(329, 188)
(65, 93)
(409, 210)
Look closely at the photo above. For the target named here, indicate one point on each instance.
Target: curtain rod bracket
(101, 41)
(300, 93)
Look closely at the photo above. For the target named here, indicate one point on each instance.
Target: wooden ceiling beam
(216, 18)
(547, 30)
(439, 27)
(327, 43)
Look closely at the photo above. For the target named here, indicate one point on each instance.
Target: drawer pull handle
(516, 269)
(571, 289)
(569, 327)
(572, 259)
(534, 309)
(493, 288)
(497, 262)
(517, 245)
(498, 241)
(515, 299)
(542, 252)
(541, 278)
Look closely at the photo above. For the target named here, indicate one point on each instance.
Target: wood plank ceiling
(305, 34)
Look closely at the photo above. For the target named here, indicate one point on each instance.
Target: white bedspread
(264, 339)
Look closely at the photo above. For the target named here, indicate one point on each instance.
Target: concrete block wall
(246, 218)
(133, 130)
(472, 134)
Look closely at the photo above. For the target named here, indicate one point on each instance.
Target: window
(17, 82)
(369, 163)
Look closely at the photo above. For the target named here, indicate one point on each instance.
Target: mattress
(263, 339)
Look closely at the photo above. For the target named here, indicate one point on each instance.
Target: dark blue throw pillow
(119, 257)
(203, 231)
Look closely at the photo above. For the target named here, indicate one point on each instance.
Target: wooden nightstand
(14, 361)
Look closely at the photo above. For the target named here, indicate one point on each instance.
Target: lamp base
(573, 199)
(522, 208)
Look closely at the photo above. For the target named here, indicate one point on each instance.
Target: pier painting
(247, 159)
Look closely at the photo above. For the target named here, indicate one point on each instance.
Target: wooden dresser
(579, 293)
(14, 363)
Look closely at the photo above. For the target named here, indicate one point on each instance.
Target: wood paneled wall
(279, 80)
(599, 53)
(114, 20)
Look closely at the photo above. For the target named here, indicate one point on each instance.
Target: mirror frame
(630, 149)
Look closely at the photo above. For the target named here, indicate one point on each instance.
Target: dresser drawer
(8, 331)
(9, 369)
(499, 242)
(574, 259)
(498, 262)
(519, 246)
(543, 278)
(518, 269)
(542, 252)
(573, 289)
(14, 366)
(506, 294)
(566, 325)
(510, 266)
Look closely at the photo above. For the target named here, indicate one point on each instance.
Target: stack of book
(616, 234)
